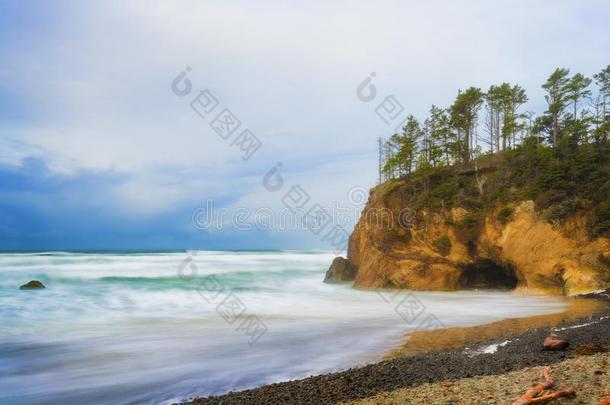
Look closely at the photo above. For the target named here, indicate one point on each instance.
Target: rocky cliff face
(507, 247)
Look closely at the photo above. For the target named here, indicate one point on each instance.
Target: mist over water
(126, 328)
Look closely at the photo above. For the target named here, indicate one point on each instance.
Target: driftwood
(534, 394)
(480, 182)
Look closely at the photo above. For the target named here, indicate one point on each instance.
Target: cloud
(91, 210)
(85, 88)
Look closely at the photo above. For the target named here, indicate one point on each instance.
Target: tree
(602, 79)
(393, 167)
(493, 105)
(543, 127)
(448, 136)
(602, 120)
(440, 136)
(464, 113)
(512, 98)
(577, 89)
(404, 149)
(556, 87)
(408, 151)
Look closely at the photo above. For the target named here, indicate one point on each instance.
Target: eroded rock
(340, 270)
(32, 285)
(529, 253)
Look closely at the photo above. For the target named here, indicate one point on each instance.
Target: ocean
(127, 328)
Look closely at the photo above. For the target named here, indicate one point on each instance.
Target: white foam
(160, 338)
(582, 325)
(490, 349)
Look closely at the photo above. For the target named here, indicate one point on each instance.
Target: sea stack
(340, 270)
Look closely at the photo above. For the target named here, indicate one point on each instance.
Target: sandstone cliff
(509, 246)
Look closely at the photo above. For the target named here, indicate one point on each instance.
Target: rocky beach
(299, 203)
(509, 352)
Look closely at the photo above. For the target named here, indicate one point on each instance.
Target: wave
(42, 254)
(260, 280)
(91, 253)
(133, 321)
(156, 252)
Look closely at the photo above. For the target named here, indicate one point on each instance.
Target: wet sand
(458, 337)
(454, 356)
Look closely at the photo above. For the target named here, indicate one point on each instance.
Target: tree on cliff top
(577, 90)
(502, 121)
(441, 137)
(556, 87)
(464, 113)
(407, 148)
(602, 112)
(569, 173)
(448, 136)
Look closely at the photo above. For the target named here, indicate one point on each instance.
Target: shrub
(557, 213)
(562, 181)
(468, 222)
(469, 228)
(390, 186)
(601, 220)
(505, 214)
(443, 245)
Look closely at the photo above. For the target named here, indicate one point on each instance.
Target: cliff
(394, 246)
(532, 218)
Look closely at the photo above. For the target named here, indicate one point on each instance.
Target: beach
(498, 356)
(586, 375)
(304, 203)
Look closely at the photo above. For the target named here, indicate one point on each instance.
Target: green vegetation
(560, 159)
(505, 214)
(469, 228)
(443, 245)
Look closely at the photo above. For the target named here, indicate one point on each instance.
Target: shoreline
(455, 337)
(513, 351)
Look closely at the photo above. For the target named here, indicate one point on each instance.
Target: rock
(340, 270)
(32, 285)
(539, 257)
(554, 343)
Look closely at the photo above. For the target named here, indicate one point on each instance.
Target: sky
(97, 151)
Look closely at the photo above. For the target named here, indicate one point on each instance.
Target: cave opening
(487, 274)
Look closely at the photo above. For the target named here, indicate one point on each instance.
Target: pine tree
(493, 106)
(512, 98)
(440, 136)
(556, 87)
(602, 118)
(464, 113)
(577, 89)
(448, 136)
(409, 148)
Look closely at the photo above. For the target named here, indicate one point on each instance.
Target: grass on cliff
(561, 181)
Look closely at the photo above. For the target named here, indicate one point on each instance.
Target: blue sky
(96, 152)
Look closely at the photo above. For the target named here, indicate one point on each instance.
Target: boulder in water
(32, 285)
(340, 270)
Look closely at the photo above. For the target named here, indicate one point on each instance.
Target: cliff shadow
(487, 274)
